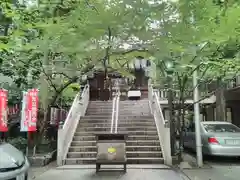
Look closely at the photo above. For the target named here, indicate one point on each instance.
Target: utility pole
(197, 120)
(171, 118)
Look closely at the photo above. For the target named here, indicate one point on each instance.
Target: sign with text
(3, 110)
(29, 111)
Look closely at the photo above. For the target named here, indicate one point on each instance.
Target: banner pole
(27, 144)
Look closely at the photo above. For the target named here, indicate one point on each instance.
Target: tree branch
(129, 51)
(61, 88)
(201, 99)
(91, 6)
(202, 48)
(49, 80)
(61, 73)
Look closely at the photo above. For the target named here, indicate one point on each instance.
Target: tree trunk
(220, 101)
(171, 117)
(181, 124)
(44, 93)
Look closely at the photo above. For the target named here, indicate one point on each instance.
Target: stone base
(185, 165)
(40, 160)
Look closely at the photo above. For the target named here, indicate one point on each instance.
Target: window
(221, 128)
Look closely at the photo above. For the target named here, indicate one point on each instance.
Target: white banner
(24, 126)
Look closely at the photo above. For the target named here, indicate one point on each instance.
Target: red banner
(3, 111)
(32, 110)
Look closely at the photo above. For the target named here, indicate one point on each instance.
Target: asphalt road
(219, 168)
(222, 161)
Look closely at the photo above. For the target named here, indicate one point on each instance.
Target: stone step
(143, 148)
(99, 113)
(86, 154)
(120, 124)
(131, 113)
(124, 114)
(128, 148)
(100, 102)
(100, 107)
(83, 143)
(135, 101)
(132, 106)
(83, 149)
(95, 117)
(79, 133)
(128, 143)
(89, 111)
(122, 117)
(135, 128)
(91, 105)
(143, 137)
(142, 143)
(74, 161)
(84, 138)
(133, 160)
(134, 116)
(136, 124)
(128, 153)
(145, 160)
(108, 120)
(137, 112)
(107, 108)
(93, 138)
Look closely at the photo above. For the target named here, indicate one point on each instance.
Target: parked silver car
(13, 164)
(218, 138)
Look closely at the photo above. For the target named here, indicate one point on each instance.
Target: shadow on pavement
(216, 160)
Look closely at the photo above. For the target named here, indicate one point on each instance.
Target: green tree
(66, 40)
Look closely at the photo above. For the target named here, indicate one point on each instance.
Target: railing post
(167, 144)
(60, 144)
(113, 113)
(117, 111)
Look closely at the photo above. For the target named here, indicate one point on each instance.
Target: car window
(221, 128)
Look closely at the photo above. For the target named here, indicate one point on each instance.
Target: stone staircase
(135, 119)
(97, 119)
(142, 144)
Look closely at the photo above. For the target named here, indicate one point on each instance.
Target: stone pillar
(60, 145)
(166, 114)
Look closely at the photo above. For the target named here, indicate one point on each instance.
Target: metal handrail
(71, 111)
(113, 113)
(156, 98)
(117, 111)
